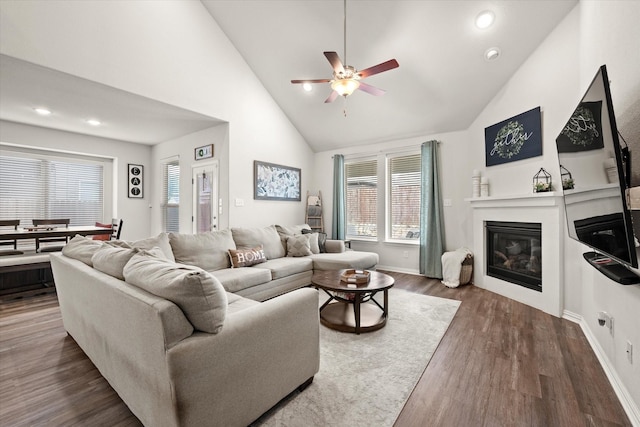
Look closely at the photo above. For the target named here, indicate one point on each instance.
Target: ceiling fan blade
(311, 81)
(371, 89)
(385, 66)
(332, 97)
(335, 61)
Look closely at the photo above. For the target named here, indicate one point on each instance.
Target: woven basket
(466, 272)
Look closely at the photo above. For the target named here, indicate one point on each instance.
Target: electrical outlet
(405, 254)
(447, 202)
(630, 352)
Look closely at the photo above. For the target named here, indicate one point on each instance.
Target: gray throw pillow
(322, 239)
(299, 245)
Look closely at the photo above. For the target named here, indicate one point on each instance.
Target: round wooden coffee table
(351, 307)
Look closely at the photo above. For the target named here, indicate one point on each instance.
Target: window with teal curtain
(339, 215)
(431, 215)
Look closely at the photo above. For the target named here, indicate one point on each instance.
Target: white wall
(174, 52)
(555, 77)
(452, 162)
(134, 212)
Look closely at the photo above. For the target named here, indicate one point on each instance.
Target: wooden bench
(24, 275)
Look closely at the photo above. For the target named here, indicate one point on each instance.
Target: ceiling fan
(346, 79)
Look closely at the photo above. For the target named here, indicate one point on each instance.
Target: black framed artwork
(517, 138)
(276, 182)
(135, 181)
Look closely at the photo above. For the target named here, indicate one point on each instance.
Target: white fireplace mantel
(545, 208)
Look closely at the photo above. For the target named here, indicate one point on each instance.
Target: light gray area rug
(364, 380)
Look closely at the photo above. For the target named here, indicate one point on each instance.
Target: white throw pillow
(199, 295)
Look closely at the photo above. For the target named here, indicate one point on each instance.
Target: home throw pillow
(299, 245)
(247, 257)
(199, 295)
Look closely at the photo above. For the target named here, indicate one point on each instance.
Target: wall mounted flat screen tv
(596, 183)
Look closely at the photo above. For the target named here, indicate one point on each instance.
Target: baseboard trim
(630, 407)
(398, 270)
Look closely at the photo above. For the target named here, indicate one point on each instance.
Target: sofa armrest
(261, 355)
(334, 246)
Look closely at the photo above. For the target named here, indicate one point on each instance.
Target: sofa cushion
(161, 241)
(205, 250)
(268, 237)
(238, 303)
(247, 257)
(111, 260)
(298, 246)
(82, 248)
(287, 266)
(349, 259)
(198, 294)
(237, 279)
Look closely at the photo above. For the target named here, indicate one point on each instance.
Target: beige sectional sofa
(183, 336)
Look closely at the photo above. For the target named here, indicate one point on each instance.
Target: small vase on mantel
(484, 187)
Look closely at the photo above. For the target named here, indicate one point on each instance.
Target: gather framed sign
(517, 138)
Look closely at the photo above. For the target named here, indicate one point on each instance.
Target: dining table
(33, 232)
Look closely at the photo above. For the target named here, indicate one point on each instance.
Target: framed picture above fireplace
(517, 138)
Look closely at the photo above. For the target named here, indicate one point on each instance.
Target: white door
(205, 197)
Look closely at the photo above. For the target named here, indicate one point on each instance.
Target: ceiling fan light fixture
(307, 87)
(42, 111)
(345, 87)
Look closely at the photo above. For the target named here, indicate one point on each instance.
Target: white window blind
(171, 196)
(39, 187)
(404, 197)
(362, 198)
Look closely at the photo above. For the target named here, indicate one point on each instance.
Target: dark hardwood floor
(501, 363)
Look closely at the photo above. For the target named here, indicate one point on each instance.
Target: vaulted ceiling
(443, 81)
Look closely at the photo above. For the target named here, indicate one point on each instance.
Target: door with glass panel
(205, 197)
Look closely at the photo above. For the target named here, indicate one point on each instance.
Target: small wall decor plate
(135, 181)
(517, 138)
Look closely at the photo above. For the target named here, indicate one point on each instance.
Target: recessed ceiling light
(307, 87)
(492, 53)
(94, 122)
(42, 111)
(485, 19)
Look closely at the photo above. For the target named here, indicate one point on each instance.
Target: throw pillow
(322, 239)
(111, 260)
(205, 250)
(199, 295)
(299, 245)
(247, 257)
(81, 248)
(292, 230)
(103, 236)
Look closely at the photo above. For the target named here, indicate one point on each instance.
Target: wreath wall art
(517, 138)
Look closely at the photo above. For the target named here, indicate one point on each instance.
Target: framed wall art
(204, 152)
(517, 138)
(136, 181)
(276, 182)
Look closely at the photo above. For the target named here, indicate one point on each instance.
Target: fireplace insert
(514, 252)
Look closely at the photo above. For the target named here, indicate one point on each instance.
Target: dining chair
(5, 224)
(53, 222)
(115, 226)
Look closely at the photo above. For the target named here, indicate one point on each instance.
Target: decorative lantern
(542, 181)
(566, 178)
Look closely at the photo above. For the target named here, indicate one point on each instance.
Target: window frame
(389, 197)
(351, 161)
(165, 203)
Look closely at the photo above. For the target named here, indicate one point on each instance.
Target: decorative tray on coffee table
(355, 276)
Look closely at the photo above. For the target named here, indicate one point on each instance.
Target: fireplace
(514, 252)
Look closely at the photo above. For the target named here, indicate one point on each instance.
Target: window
(398, 186)
(403, 205)
(42, 186)
(362, 198)
(171, 196)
